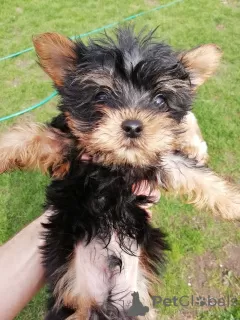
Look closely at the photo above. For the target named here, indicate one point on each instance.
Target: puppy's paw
(196, 149)
(6, 162)
(190, 141)
(227, 204)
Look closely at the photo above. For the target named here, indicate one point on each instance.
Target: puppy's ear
(56, 55)
(201, 62)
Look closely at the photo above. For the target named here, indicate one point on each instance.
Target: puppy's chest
(93, 192)
(103, 186)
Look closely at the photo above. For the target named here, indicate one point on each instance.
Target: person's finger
(149, 213)
(85, 157)
(143, 188)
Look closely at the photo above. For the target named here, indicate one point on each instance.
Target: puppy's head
(123, 99)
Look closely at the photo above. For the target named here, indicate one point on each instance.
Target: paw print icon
(201, 301)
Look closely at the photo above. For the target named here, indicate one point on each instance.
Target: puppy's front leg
(203, 187)
(190, 141)
(34, 146)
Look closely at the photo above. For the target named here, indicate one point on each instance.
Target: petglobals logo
(137, 308)
(197, 301)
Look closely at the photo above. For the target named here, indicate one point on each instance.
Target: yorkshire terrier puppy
(126, 103)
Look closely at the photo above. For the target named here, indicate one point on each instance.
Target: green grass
(199, 256)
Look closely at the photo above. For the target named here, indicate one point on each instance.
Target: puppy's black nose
(132, 128)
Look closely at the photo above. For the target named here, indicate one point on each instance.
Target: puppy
(126, 103)
(47, 147)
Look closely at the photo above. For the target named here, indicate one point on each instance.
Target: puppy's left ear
(56, 54)
(201, 62)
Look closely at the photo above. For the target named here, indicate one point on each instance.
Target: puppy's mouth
(130, 144)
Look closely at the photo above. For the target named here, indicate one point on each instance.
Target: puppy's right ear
(56, 55)
(201, 62)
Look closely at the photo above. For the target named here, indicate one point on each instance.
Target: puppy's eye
(101, 97)
(159, 100)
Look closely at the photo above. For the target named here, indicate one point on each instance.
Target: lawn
(205, 256)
